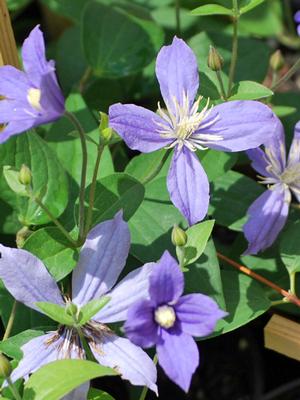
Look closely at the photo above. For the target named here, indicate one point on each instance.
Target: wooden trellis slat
(8, 48)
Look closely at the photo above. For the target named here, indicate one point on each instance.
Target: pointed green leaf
(56, 379)
(95, 394)
(251, 4)
(92, 308)
(290, 247)
(12, 178)
(249, 90)
(55, 312)
(212, 9)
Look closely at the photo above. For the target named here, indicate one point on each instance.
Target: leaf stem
(287, 76)
(234, 52)
(157, 170)
(177, 14)
(289, 296)
(145, 388)
(81, 132)
(292, 276)
(11, 321)
(13, 389)
(93, 189)
(54, 220)
(221, 85)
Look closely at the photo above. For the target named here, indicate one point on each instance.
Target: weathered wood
(283, 335)
(8, 48)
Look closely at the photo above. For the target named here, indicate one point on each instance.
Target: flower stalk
(11, 321)
(13, 389)
(234, 53)
(287, 76)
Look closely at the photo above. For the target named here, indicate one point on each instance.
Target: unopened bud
(25, 175)
(277, 61)
(106, 135)
(179, 237)
(214, 61)
(5, 367)
(71, 309)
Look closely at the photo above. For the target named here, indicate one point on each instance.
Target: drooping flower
(169, 320)
(102, 259)
(297, 20)
(268, 214)
(231, 126)
(29, 98)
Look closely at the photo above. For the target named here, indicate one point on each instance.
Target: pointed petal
(166, 281)
(13, 110)
(134, 287)
(79, 393)
(102, 259)
(177, 72)
(27, 279)
(259, 161)
(14, 83)
(14, 128)
(242, 125)
(178, 355)
(127, 359)
(140, 326)
(188, 185)
(267, 216)
(198, 314)
(294, 154)
(36, 353)
(137, 126)
(34, 57)
(275, 148)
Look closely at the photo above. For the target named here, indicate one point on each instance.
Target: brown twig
(289, 296)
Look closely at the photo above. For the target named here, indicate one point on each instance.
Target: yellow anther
(34, 98)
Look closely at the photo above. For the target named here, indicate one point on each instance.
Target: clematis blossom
(297, 20)
(102, 259)
(168, 321)
(32, 97)
(268, 214)
(231, 126)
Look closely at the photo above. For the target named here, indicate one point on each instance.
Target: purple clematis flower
(102, 259)
(33, 97)
(268, 214)
(232, 126)
(297, 20)
(169, 320)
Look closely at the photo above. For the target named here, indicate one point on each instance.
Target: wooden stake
(283, 335)
(8, 48)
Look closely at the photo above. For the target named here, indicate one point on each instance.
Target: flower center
(181, 123)
(34, 98)
(165, 316)
(291, 174)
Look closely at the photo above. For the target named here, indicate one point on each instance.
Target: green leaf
(245, 300)
(49, 181)
(92, 308)
(116, 192)
(114, 52)
(51, 246)
(249, 90)
(56, 379)
(197, 237)
(152, 223)
(67, 8)
(95, 394)
(205, 277)
(12, 346)
(12, 178)
(166, 17)
(212, 9)
(251, 4)
(283, 111)
(231, 196)
(55, 312)
(216, 163)
(290, 248)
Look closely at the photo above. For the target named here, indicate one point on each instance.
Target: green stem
(54, 220)
(13, 389)
(292, 276)
(157, 170)
(11, 321)
(221, 84)
(177, 13)
(93, 189)
(81, 132)
(145, 388)
(234, 52)
(181, 251)
(287, 76)
(279, 302)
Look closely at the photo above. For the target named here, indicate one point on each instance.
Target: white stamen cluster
(181, 123)
(34, 98)
(165, 316)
